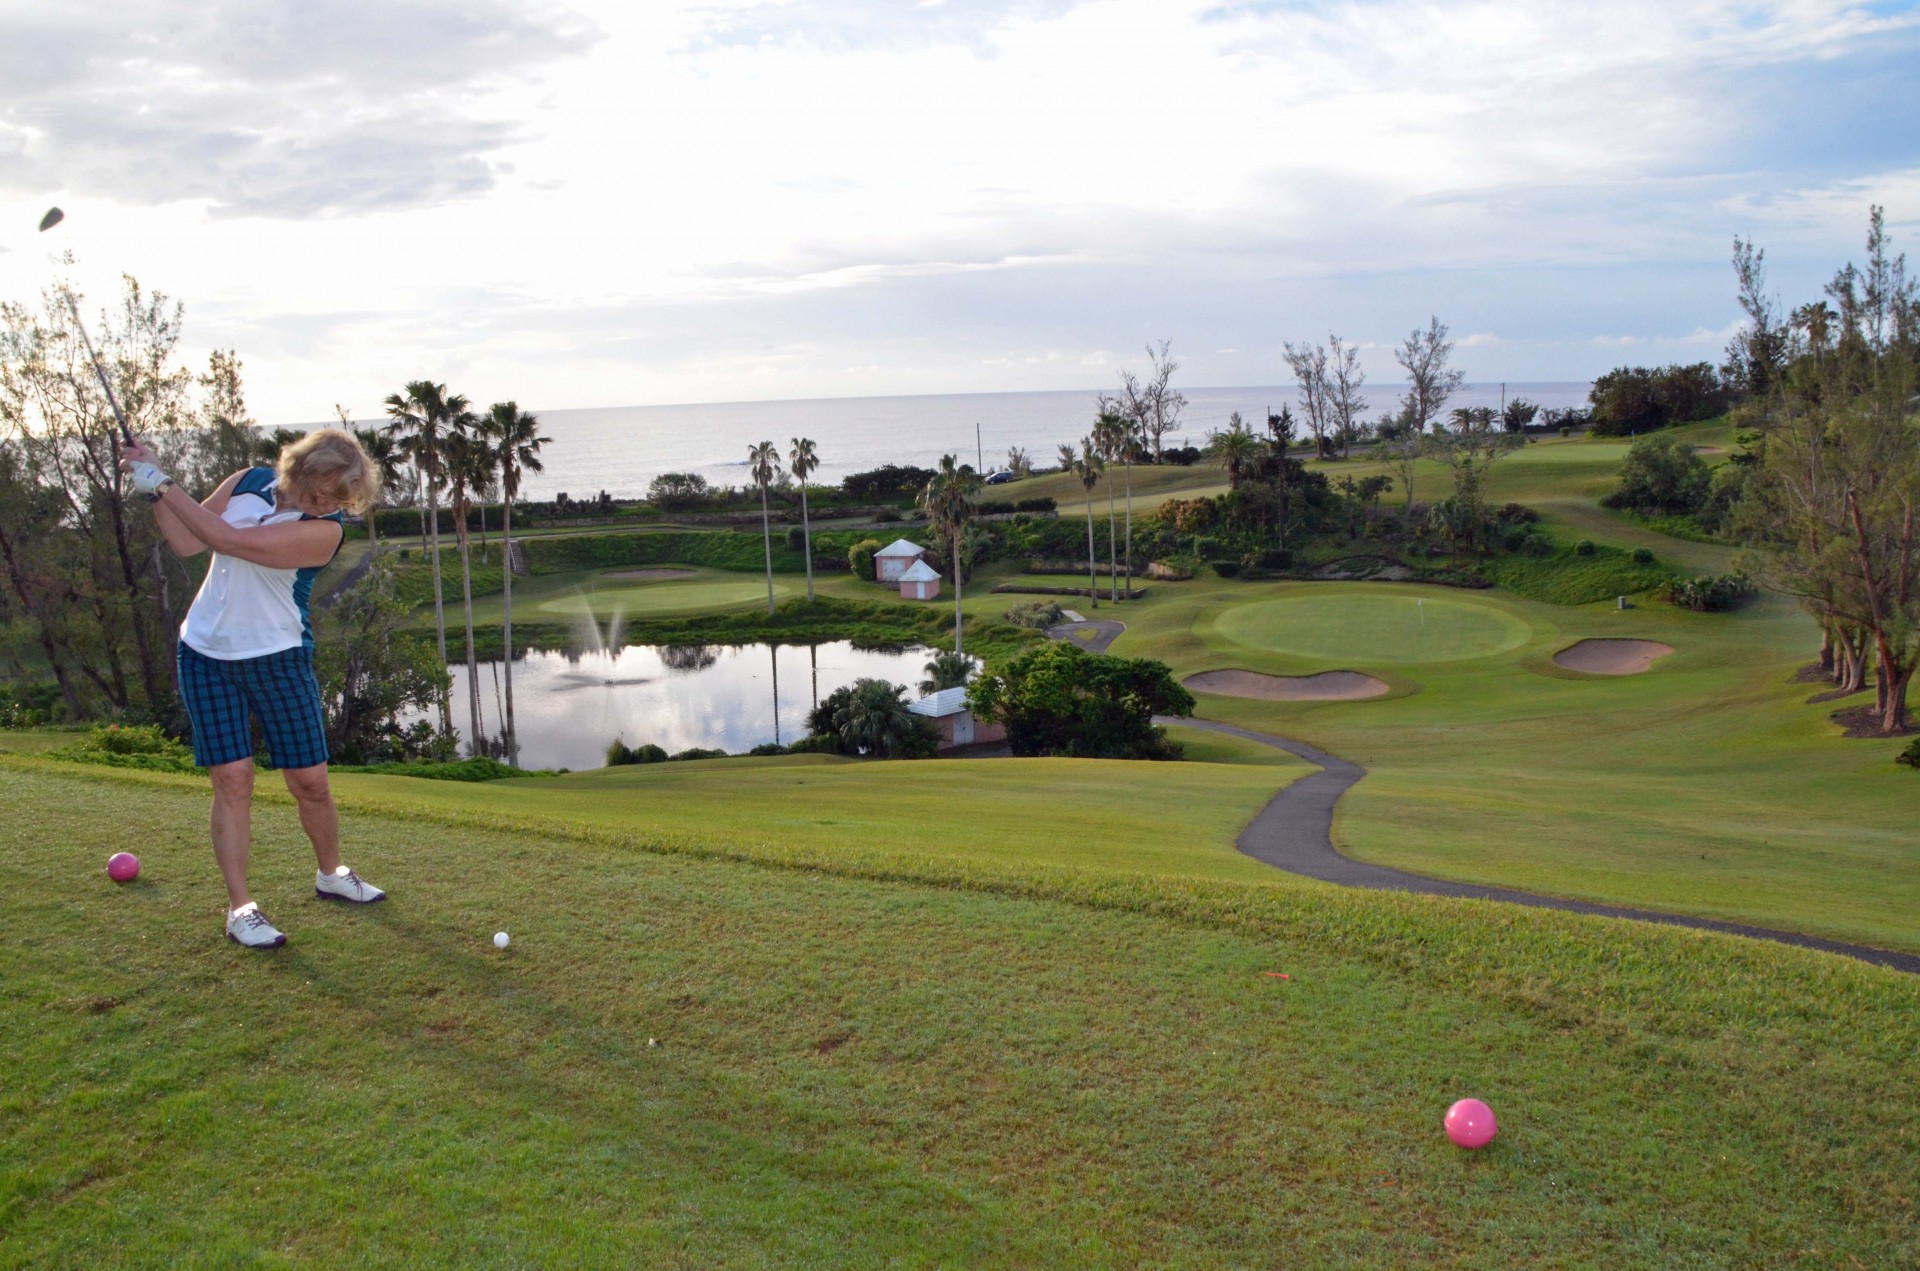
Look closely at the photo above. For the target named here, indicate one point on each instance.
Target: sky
(610, 204)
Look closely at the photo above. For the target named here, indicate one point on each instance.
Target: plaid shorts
(278, 689)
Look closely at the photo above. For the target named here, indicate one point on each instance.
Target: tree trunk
(806, 534)
(439, 609)
(1113, 542)
(1093, 562)
(1826, 649)
(38, 613)
(506, 587)
(766, 541)
(477, 743)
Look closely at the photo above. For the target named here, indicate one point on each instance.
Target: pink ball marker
(1470, 1123)
(123, 867)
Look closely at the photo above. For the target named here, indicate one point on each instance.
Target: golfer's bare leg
(233, 825)
(318, 817)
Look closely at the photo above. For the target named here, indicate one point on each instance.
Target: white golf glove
(147, 478)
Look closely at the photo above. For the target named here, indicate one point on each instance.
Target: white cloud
(704, 201)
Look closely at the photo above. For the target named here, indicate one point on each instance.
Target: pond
(568, 706)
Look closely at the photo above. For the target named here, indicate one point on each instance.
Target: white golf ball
(499, 939)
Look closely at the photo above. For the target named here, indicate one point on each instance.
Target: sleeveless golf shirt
(244, 610)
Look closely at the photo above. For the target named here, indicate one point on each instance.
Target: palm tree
(1067, 456)
(874, 719)
(946, 670)
(420, 415)
(803, 461)
(764, 463)
(467, 461)
(948, 500)
(384, 450)
(1110, 435)
(516, 442)
(1087, 466)
(1234, 447)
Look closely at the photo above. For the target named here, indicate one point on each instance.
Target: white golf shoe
(344, 884)
(247, 925)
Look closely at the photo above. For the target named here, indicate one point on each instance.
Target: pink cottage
(920, 582)
(949, 713)
(895, 559)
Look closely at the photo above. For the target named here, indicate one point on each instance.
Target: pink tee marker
(123, 867)
(1470, 1123)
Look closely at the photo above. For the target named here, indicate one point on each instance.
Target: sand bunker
(1328, 686)
(649, 575)
(1611, 657)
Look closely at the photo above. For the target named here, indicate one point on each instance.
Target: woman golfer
(246, 647)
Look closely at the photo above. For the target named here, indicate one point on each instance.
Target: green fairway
(1407, 625)
(700, 592)
(1080, 813)
(702, 1063)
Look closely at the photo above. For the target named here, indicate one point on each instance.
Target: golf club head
(53, 217)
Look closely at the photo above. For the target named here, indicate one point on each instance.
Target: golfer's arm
(291, 545)
(181, 539)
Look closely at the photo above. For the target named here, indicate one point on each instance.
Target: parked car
(1001, 477)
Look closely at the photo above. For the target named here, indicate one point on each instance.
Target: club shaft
(126, 433)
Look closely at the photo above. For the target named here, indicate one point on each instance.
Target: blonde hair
(329, 462)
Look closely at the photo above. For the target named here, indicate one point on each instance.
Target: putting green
(668, 596)
(1400, 626)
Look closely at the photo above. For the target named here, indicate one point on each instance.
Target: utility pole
(979, 451)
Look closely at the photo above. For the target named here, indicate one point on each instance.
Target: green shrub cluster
(1911, 755)
(1573, 577)
(478, 768)
(1711, 594)
(1035, 614)
(142, 746)
(619, 754)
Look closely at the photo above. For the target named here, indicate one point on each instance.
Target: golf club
(53, 217)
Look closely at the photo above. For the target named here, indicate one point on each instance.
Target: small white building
(895, 559)
(920, 582)
(949, 712)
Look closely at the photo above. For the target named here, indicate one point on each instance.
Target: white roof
(948, 701)
(920, 572)
(901, 547)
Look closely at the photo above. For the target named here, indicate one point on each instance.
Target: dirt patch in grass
(1863, 722)
(1611, 657)
(1327, 686)
(654, 575)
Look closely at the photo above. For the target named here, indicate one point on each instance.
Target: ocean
(622, 449)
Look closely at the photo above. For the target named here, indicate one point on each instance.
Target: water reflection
(568, 706)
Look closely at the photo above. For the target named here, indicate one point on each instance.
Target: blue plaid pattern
(223, 697)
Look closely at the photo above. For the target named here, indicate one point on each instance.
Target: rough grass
(887, 1056)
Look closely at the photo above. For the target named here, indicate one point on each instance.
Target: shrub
(817, 744)
(1061, 700)
(478, 768)
(1041, 504)
(768, 748)
(1273, 558)
(860, 557)
(679, 490)
(886, 516)
(130, 746)
(1037, 614)
(1516, 514)
(1643, 556)
(618, 754)
(1226, 568)
(1911, 755)
(700, 752)
(1711, 594)
(1583, 548)
(1661, 474)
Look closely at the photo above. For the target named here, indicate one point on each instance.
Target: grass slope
(1015, 1067)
